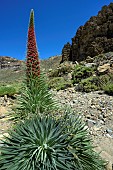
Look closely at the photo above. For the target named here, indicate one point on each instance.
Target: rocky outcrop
(66, 52)
(9, 62)
(94, 38)
(103, 69)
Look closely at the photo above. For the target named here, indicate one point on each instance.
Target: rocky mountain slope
(12, 70)
(94, 38)
(50, 63)
(95, 107)
(9, 62)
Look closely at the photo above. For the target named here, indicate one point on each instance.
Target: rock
(88, 116)
(3, 116)
(109, 132)
(5, 98)
(90, 64)
(108, 135)
(91, 123)
(103, 69)
(89, 59)
(101, 122)
(92, 39)
(3, 110)
(50, 69)
(95, 128)
(66, 52)
(69, 76)
(79, 87)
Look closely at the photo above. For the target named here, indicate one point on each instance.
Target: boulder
(103, 69)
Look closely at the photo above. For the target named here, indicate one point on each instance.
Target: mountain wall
(94, 38)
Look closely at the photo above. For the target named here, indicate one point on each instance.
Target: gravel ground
(97, 110)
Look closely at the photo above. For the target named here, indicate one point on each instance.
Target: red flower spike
(32, 52)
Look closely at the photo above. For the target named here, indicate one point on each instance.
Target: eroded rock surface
(94, 38)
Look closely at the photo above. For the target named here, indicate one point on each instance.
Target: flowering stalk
(33, 65)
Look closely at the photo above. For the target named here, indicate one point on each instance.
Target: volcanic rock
(92, 39)
(9, 63)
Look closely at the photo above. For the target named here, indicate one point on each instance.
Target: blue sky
(56, 22)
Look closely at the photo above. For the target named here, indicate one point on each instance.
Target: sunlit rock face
(94, 38)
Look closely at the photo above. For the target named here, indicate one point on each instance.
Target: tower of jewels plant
(35, 97)
(33, 66)
(43, 142)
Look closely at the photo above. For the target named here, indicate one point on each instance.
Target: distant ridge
(7, 62)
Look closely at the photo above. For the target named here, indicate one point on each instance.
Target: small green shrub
(87, 85)
(54, 73)
(108, 88)
(93, 83)
(106, 83)
(44, 143)
(105, 80)
(81, 72)
(61, 70)
(59, 83)
(8, 90)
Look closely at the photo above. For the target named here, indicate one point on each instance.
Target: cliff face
(94, 38)
(66, 52)
(9, 62)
